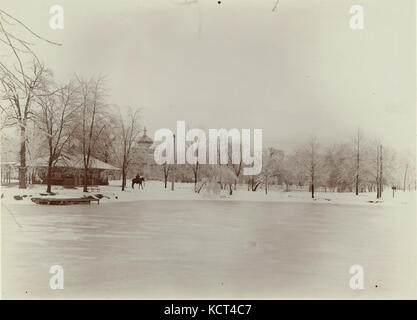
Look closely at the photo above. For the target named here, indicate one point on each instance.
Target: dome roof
(145, 139)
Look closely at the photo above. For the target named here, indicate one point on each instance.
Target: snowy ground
(154, 190)
(251, 245)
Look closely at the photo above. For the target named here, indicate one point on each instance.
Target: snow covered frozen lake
(161, 249)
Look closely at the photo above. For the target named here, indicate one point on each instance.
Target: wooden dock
(64, 201)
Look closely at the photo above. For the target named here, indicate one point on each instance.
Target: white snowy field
(154, 190)
(281, 245)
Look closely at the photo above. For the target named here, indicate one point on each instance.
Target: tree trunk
(312, 190)
(405, 176)
(266, 185)
(377, 172)
(123, 175)
(380, 171)
(48, 177)
(123, 179)
(357, 166)
(357, 185)
(166, 180)
(195, 180)
(22, 168)
(85, 189)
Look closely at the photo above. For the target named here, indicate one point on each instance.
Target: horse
(139, 181)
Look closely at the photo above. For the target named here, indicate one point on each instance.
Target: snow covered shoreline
(154, 190)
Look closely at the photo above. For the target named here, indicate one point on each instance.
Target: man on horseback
(139, 180)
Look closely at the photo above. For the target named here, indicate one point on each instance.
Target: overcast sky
(297, 71)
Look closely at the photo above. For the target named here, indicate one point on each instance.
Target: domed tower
(145, 146)
(144, 141)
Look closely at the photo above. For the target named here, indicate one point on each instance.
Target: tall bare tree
(379, 171)
(236, 167)
(195, 167)
(357, 141)
(21, 93)
(312, 162)
(93, 122)
(129, 128)
(272, 165)
(381, 166)
(166, 168)
(18, 81)
(57, 120)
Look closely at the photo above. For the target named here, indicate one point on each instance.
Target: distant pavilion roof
(74, 161)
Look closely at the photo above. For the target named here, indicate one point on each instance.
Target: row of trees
(357, 165)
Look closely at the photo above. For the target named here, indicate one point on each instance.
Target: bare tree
(106, 148)
(379, 171)
(272, 164)
(357, 141)
(311, 162)
(236, 167)
(405, 176)
(19, 84)
(57, 120)
(196, 166)
(92, 119)
(408, 173)
(166, 168)
(195, 171)
(21, 93)
(227, 176)
(129, 131)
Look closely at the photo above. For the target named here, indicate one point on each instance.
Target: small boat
(64, 201)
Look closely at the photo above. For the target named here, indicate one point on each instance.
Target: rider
(136, 179)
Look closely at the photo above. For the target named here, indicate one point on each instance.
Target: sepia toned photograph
(204, 149)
